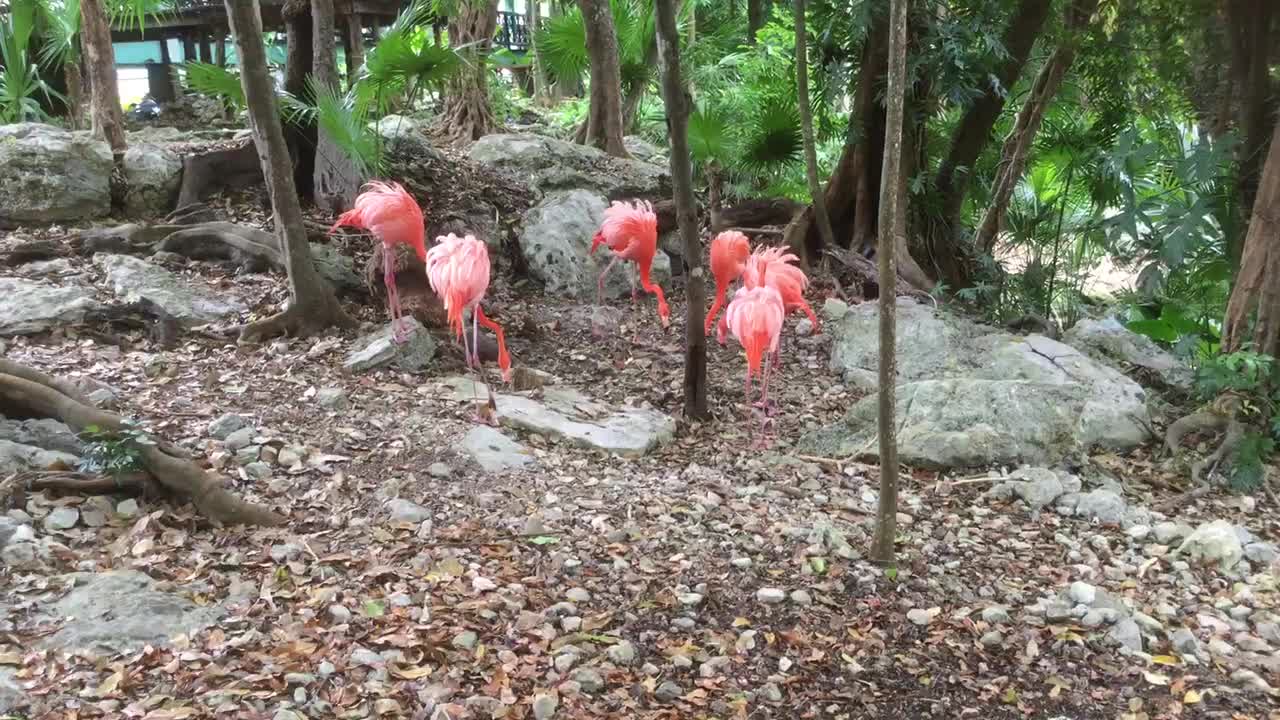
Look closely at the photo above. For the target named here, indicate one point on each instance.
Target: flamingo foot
(770, 407)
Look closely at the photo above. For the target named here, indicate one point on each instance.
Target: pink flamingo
(631, 232)
(393, 216)
(458, 270)
(755, 318)
(729, 253)
(775, 266)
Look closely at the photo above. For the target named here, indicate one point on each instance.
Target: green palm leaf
(708, 137)
(214, 81)
(771, 138)
(346, 122)
(61, 32)
(561, 45)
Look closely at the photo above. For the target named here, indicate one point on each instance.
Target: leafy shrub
(114, 453)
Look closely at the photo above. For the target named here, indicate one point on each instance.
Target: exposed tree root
(1230, 441)
(294, 322)
(32, 251)
(35, 394)
(13, 489)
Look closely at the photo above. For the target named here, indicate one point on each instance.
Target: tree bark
(532, 15)
(1255, 299)
(892, 226)
(337, 182)
(604, 117)
(676, 98)
(467, 114)
(1017, 146)
(806, 129)
(107, 115)
(312, 303)
(355, 47)
(299, 55)
(75, 99)
(756, 12)
(969, 139)
(1249, 25)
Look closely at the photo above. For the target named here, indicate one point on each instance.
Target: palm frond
(346, 123)
(561, 44)
(708, 137)
(133, 14)
(214, 81)
(61, 32)
(771, 138)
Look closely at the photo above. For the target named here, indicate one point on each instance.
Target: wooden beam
(353, 44)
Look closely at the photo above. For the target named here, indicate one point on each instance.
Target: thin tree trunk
(354, 47)
(604, 117)
(892, 222)
(756, 10)
(677, 101)
(336, 180)
(467, 114)
(806, 128)
(1250, 24)
(969, 139)
(1255, 299)
(532, 14)
(715, 195)
(220, 48)
(188, 47)
(75, 99)
(312, 303)
(1017, 146)
(206, 48)
(107, 115)
(299, 55)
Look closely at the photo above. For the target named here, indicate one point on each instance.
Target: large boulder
(970, 395)
(1111, 340)
(548, 165)
(556, 243)
(48, 174)
(28, 307)
(401, 134)
(154, 173)
(190, 304)
(16, 457)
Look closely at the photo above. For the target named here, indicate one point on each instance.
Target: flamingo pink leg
(596, 330)
(393, 295)
(473, 361)
(764, 402)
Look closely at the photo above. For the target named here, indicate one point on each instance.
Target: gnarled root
(39, 395)
(1200, 421)
(299, 321)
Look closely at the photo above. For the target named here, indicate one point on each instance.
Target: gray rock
(1213, 542)
(1082, 592)
(771, 693)
(547, 164)
(624, 653)
(189, 303)
(668, 692)
(15, 457)
(48, 174)
(20, 556)
(920, 617)
(589, 680)
(439, 470)
(544, 706)
(834, 309)
(566, 413)
(1167, 532)
(801, 597)
(378, 349)
(1250, 680)
(339, 614)
(1126, 634)
(974, 396)
(1184, 642)
(337, 268)
(404, 511)
(221, 428)
(556, 243)
(12, 696)
(62, 518)
(995, 615)
(43, 433)
(258, 471)
(119, 611)
(332, 398)
(644, 151)
(465, 640)
(241, 438)
(28, 307)
(993, 638)
(1036, 486)
(127, 508)
(771, 596)
(493, 451)
(154, 173)
(1104, 506)
(1108, 338)
(401, 135)
(365, 657)
(578, 595)
(714, 666)
(1262, 553)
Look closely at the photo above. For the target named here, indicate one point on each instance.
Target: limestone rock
(493, 451)
(568, 414)
(378, 349)
(190, 304)
(1111, 339)
(1214, 542)
(548, 164)
(48, 174)
(28, 307)
(154, 173)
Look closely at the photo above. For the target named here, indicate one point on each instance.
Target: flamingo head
(664, 314)
(504, 362)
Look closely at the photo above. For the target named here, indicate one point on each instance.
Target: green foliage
(20, 81)
(61, 33)
(114, 453)
(1251, 377)
(1243, 372)
(1248, 463)
(218, 82)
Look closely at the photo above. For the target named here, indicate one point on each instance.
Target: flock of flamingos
(458, 272)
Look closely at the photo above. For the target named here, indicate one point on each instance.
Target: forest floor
(704, 579)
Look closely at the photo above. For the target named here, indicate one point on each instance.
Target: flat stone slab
(28, 307)
(123, 610)
(378, 349)
(132, 279)
(493, 451)
(568, 414)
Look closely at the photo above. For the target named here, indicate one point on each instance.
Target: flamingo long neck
(721, 289)
(643, 266)
(504, 360)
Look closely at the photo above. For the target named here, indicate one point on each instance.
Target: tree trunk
(676, 98)
(892, 227)
(1017, 146)
(969, 139)
(299, 55)
(532, 15)
(312, 303)
(756, 11)
(220, 48)
(336, 180)
(188, 47)
(1249, 24)
(604, 117)
(1255, 299)
(806, 128)
(75, 99)
(354, 47)
(206, 48)
(467, 114)
(107, 115)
